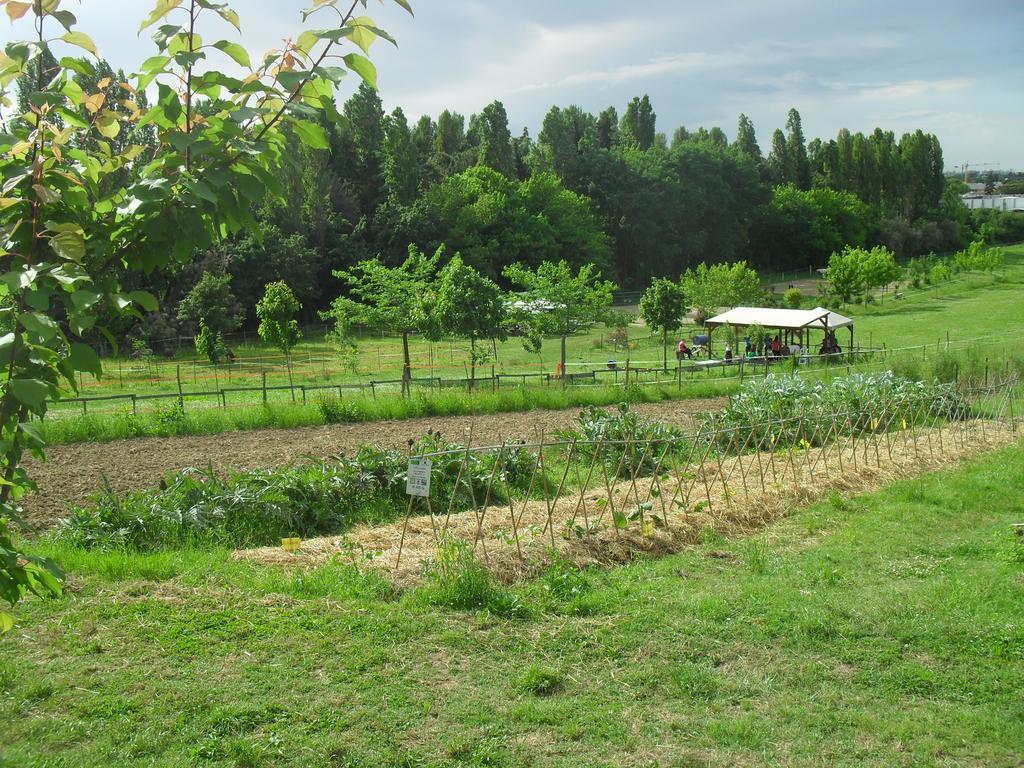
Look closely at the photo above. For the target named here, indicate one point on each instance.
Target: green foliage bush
(258, 507)
(630, 444)
(789, 410)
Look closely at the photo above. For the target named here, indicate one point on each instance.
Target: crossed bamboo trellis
(707, 470)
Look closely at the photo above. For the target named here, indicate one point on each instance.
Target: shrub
(259, 507)
(788, 410)
(793, 298)
(630, 444)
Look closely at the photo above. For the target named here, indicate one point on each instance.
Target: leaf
(16, 10)
(406, 6)
(307, 40)
(30, 392)
(231, 17)
(235, 51)
(84, 358)
(311, 134)
(80, 39)
(65, 18)
(41, 325)
(363, 67)
(163, 7)
(6, 622)
(620, 519)
(69, 245)
(145, 300)
(107, 124)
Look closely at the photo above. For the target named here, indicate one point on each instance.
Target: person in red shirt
(776, 346)
(683, 350)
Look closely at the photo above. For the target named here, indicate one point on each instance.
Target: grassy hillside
(870, 631)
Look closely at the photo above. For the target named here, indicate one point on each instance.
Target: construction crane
(967, 166)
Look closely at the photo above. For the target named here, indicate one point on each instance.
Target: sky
(955, 69)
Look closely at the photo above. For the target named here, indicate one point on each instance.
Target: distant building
(1013, 203)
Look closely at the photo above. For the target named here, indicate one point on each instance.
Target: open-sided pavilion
(793, 323)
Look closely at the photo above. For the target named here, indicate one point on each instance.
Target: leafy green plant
(783, 411)
(276, 312)
(459, 581)
(539, 681)
(629, 444)
(78, 211)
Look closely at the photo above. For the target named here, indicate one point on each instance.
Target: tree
(720, 286)
(855, 271)
(880, 268)
(637, 127)
(793, 298)
(278, 327)
(496, 140)
(797, 151)
(470, 306)
(662, 307)
(211, 302)
(778, 167)
(71, 230)
(560, 303)
(392, 299)
(845, 274)
(210, 343)
(607, 128)
(746, 140)
(401, 165)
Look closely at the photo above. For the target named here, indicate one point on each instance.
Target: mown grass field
(876, 630)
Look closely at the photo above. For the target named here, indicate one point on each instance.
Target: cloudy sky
(952, 68)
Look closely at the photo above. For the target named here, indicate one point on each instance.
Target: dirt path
(73, 472)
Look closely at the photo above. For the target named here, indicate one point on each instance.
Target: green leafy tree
(746, 140)
(468, 305)
(75, 221)
(210, 343)
(793, 298)
(391, 299)
(663, 306)
(496, 140)
(278, 327)
(710, 288)
(637, 127)
(211, 302)
(560, 303)
(846, 274)
(880, 268)
(797, 150)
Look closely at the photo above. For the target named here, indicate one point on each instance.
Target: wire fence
(226, 392)
(607, 499)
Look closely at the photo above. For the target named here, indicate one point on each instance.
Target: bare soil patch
(74, 472)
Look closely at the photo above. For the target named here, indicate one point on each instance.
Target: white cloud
(913, 88)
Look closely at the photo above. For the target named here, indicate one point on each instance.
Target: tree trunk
(563, 361)
(406, 366)
(288, 364)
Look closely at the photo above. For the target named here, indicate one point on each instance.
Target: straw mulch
(735, 495)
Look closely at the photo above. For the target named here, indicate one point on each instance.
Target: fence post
(181, 399)
(303, 388)
(134, 409)
(264, 387)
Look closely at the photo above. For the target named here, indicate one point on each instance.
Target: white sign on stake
(417, 477)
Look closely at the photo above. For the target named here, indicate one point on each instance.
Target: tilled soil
(74, 472)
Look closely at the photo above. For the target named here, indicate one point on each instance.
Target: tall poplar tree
(797, 148)
(496, 140)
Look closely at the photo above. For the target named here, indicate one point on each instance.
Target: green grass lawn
(876, 630)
